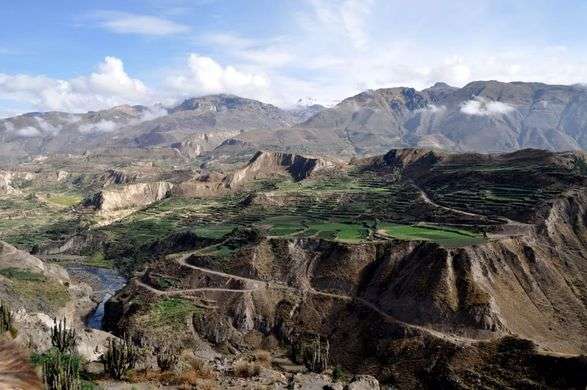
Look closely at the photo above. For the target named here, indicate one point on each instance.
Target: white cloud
(28, 132)
(46, 127)
(108, 126)
(204, 75)
(103, 126)
(109, 86)
(480, 106)
(432, 108)
(8, 126)
(342, 20)
(126, 23)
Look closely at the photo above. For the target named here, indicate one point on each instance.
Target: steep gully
(106, 282)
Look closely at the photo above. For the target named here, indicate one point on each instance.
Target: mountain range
(483, 116)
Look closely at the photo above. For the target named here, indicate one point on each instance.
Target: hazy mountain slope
(196, 120)
(60, 132)
(484, 116)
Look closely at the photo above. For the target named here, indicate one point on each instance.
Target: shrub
(120, 357)
(167, 358)
(65, 340)
(201, 368)
(246, 369)
(337, 374)
(263, 357)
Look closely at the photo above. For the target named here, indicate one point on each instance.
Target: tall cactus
(6, 321)
(61, 372)
(65, 340)
(312, 351)
(120, 357)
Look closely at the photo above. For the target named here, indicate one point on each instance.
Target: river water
(105, 282)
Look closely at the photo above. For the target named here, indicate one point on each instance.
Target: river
(105, 282)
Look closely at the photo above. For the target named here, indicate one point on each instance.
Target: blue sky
(82, 55)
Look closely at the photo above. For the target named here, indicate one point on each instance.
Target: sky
(77, 56)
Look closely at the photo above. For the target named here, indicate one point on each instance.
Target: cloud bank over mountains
(109, 86)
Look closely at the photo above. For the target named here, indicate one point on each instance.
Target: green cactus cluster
(65, 340)
(120, 357)
(61, 371)
(312, 351)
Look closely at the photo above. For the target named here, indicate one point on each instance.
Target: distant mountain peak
(441, 85)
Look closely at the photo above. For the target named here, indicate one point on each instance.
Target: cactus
(65, 340)
(6, 321)
(313, 353)
(167, 358)
(61, 371)
(120, 357)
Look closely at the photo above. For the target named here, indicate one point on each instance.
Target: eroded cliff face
(129, 196)
(268, 164)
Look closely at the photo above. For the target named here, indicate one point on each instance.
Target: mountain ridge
(483, 116)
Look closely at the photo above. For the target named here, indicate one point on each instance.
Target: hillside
(381, 259)
(472, 264)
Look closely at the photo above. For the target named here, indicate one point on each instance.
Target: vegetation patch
(171, 312)
(99, 260)
(340, 231)
(219, 250)
(439, 235)
(22, 275)
(64, 200)
(50, 293)
(214, 232)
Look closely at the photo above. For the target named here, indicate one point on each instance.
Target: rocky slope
(268, 164)
(509, 311)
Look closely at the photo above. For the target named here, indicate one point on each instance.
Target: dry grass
(200, 376)
(206, 384)
(263, 358)
(245, 369)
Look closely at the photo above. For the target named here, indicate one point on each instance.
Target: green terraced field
(443, 236)
(348, 232)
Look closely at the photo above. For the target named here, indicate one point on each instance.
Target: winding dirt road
(259, 284)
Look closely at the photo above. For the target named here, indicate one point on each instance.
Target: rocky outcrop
(6, 183)
(208, 186)
(129, 196)
(8, 178)
(270, 164)
(115, 177)
(196, 145)
(10, 257)
(37, 292)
